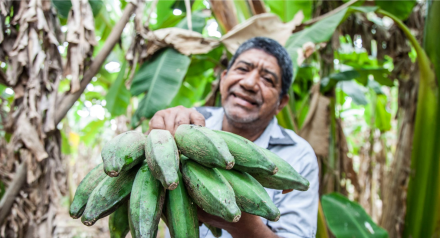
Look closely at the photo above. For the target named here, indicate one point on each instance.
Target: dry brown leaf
(304, 52)
(81, 39)
(267, 25)
(2, 37)
(21, 42)
(138, 24)
(49, 124)
(308, 49)
(3, 9)
(26, 133)
(15, 68)
(316, 127)
(185, 41)
(135, 2)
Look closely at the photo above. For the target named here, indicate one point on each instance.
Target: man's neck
(249, 131)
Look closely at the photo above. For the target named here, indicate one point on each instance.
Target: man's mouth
(245, 101)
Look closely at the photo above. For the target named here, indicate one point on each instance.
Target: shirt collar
(273, 135)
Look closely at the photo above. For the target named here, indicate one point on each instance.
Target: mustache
(246, 96)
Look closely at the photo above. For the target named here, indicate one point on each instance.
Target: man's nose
(250, 81)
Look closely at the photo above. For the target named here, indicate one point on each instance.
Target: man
(253, 90)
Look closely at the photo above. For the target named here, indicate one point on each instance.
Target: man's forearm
(250, 226)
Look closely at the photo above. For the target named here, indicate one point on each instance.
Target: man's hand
(169, 119)
(248, 225)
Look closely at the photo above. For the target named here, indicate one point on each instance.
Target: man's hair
(273, 48)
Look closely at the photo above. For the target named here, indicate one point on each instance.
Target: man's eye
(242, 69)
(268, 80)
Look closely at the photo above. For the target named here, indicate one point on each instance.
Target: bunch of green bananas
(220, 172)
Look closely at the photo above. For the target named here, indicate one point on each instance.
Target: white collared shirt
(298, 209)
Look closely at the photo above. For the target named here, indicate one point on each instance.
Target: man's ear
(222, 76)
(283, 102)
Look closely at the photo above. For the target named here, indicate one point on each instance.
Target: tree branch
(3, 78)
(67, 101)
(13, 189)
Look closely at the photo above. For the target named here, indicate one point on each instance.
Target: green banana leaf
(348, 219)
(321, 231)
(118, 97)
(383, 116)
(165, 17)
(329, 82)
(243, 11)
(286, 9)
(198, 20)
(103, 27)
(355, 91)
(400, 9)
(63, 7)
(161, 77)
(378, 110)
(319, 32)
(380, 76)
(423, 199)
(65, 145)
(90, 132)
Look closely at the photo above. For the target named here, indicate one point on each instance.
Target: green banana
(251, 197)
(118, 222)
(163, 158)
(216, 232)
(123, 152)
(286, 177)
(181, 213)
(146, 201)
(85, 188)
(210, 191)
(183, 157)
(108, 196)
(204, 146)
(248, 156)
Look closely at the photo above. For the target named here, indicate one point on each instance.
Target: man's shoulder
(290, 139)
(299, 153)
(299, 141)
(208, 112)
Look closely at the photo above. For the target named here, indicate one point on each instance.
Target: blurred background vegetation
(365, 96)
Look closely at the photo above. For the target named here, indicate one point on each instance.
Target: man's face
(250, 91)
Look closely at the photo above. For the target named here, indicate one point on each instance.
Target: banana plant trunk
(29, 206)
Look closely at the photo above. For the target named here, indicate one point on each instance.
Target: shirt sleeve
(299, 209)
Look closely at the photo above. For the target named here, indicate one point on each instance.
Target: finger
(169, 120)
(197, 119)
(287, 191)
(181, 119)
(156, 122)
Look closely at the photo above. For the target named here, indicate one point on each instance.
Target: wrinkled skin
(250, 94)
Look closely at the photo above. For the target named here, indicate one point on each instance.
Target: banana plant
(422, 218)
